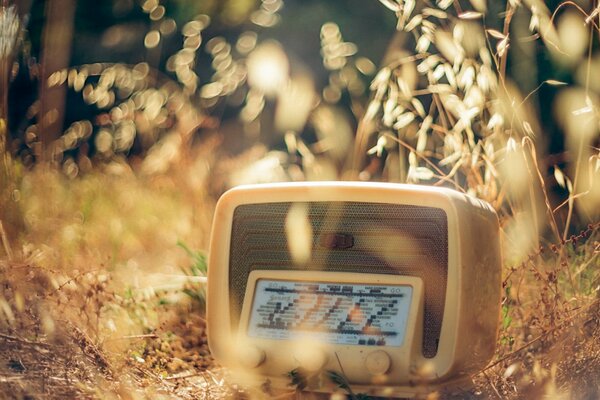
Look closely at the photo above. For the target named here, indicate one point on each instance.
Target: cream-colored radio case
(400, 293)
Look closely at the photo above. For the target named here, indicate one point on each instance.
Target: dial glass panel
(350, 314)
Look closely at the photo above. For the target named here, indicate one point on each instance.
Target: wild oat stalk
(446, 112)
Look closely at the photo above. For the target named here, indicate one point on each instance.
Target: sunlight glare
(268, 67)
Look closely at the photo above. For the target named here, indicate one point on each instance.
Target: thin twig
(147, 336)
(540, 337)
(554, 225)
(350, 391)
(6, 379)
(492, 385)
(573, 4)
(580, 148)
(186, 376)
(510, 11)
(568, 200)
(404, 60)
(527, 141)
(21, 340)
(442, 177)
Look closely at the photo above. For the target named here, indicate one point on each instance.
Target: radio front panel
(336, 313)
(390, 239)
(365, 322)
(433, 250)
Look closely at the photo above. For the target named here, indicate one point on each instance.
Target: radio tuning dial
(251, 356)
(378, 362)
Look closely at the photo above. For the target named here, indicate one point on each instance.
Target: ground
(100, 298)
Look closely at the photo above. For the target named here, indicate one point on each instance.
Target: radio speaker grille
(391, 239)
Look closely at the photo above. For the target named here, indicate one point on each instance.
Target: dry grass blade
(22, 340)
(5, 243)
(470, 15)
(391, 5)
(495, 34)
(540, 337)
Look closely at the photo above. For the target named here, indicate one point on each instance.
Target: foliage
(198, 268)
(199, 265)
(298, 379)
(341, 382)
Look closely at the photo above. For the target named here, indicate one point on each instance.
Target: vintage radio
(399, 291)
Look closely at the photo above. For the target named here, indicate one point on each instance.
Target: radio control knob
(378, 362)
(311, 359)
(251, 356)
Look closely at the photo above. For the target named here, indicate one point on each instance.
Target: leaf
(569, 188)
(560, 177)
(584, 110)
(554, 82)
(470, 15)
(342, 383)
(438, 72)
(423, 173)
(435, 13)
(510, 370)
(413, 23)
(404, 120)
(511, 145)
(412, 159)
(592, 15)
(506, 319)
(421, 141)
(388, 111)
(381, 79)
(372, 110)
(407, 9)
(339, 379)
(440, 88)
(391, 5)
(450, 75)
(528, 129)
(379, 147)
(496, 34)
(200, 265)
(502, 47)
(422, 134)
(534, 23)
(423, 44)
(298, 378)
(418, 107)
(444, 4)
(454, 158)
(447, 46)
(496, 121)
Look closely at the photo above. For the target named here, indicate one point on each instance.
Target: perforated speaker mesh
(388, 239)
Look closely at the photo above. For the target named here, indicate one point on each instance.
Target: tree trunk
(9, 32)
(56, 55)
